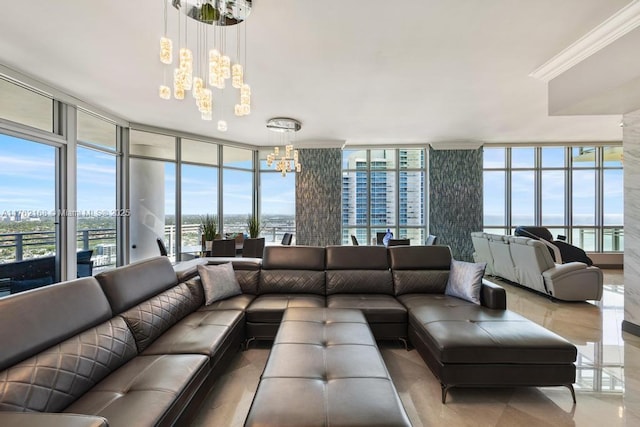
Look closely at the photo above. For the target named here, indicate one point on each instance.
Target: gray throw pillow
(219, 282)
(465, 280)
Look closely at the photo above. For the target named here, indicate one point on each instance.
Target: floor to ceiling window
(237, 189)
(199, 191)
(152, 194)
(383, 189)
(97, 211)
(29, 231)
(575, 191)
(277, 202)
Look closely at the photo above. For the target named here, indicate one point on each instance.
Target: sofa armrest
(493, 296)
(37, 419)
(562, 269)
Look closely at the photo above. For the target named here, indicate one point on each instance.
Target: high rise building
(379, 195)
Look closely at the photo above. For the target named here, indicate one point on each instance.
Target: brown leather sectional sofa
(135, 345)
(130, 347)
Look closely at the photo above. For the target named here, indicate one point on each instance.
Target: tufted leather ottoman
(325, 370)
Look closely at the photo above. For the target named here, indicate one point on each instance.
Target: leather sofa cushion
(420, 281)
(291, 281)
(359, 282)
(325, 369)
(324, 327)
(202, 332)
(147, 391)
(477, 335)
(239, 302)
(284, 402)
(28, 324)
(130, 285)
(420, 257)
(376, 308)
(31, 419)
(432, 308)
(270, 308)
(357, 258)
(491, 296)
(149, 319)
(53, 379)
(294, 258)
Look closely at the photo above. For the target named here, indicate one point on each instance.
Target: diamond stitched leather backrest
(35, 320)
(149, 319)
(359, 282)
(291, 282)
(420, 269)
(130, 285)
(53, 379)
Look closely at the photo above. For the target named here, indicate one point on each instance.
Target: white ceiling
(351, 71)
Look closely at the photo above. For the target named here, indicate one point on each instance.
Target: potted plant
(253, 246)
(209, 229)
(253, 226)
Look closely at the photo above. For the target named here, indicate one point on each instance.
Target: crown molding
(616, 26)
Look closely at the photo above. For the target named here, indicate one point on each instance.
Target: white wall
(631, 142)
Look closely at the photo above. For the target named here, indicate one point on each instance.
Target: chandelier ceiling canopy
(215, 12)
(283, 124)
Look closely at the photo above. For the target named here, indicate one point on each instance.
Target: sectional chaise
(136, 346)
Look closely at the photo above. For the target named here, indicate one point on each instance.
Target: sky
(27, 183)
(553, 189)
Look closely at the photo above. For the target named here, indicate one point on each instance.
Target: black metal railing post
(18, 240)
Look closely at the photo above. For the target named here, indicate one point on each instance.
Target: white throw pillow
(219, 282)
(465, 280)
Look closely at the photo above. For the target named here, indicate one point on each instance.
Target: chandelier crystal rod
(289, 161)
(217, 14)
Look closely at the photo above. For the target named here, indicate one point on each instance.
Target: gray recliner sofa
(527, 262)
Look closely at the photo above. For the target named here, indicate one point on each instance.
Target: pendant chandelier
(211, 65)
(285, 160)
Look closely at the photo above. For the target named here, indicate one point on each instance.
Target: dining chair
(399, 242)
(253, 248)
(354, 240)
(286, 239)
(431, 240)
(162, 247)
(223, 247)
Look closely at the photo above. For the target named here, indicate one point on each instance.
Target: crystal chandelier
(285, 160)
(211, 66)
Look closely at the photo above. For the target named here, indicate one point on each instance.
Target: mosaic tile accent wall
(318, 197)
(455, 198)
(631, 147)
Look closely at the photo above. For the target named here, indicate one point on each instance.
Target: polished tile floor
(608, 390)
